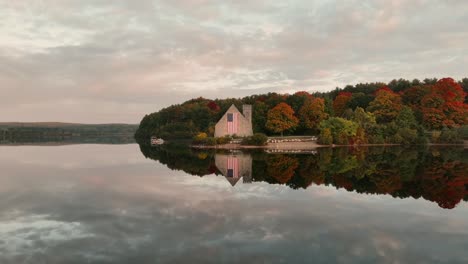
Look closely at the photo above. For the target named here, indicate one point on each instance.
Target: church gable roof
(233, 109)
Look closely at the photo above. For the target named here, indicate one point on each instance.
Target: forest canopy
(400, 111)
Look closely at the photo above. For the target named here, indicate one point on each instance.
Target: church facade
(236, 123)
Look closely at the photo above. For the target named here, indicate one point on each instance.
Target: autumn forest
(398, 112)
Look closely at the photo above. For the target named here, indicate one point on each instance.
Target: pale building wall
(245, 126)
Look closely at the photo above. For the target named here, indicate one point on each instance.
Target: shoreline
(309, 145)
(279, 145)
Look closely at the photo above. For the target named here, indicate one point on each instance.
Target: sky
(113, 61)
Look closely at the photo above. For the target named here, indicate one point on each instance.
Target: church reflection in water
(235, 166)
(438, 175)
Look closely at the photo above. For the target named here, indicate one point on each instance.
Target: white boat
(156, 141)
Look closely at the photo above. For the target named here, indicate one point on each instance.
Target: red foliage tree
(213, 106)
(444, 105)
(444, 183)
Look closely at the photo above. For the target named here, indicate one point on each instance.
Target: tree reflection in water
(436, 174)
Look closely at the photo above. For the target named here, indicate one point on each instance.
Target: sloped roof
(235, 109)
(233, 181)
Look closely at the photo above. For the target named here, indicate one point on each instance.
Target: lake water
(110, 204)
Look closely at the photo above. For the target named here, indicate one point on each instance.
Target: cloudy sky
(98, 61)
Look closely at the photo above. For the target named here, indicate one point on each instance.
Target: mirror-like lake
(110, 204)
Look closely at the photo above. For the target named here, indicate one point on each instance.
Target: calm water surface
(110, 204)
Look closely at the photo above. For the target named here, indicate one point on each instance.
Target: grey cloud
(112, 56)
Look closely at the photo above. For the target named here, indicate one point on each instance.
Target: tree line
(400, 112)
(66, 133)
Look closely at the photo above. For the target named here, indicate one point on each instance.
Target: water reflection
(108, 204)
(234, 167)
(439, 175)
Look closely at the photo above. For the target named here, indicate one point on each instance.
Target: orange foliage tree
(385, 106)
(281, 118)
(312, 113)
(341, 102)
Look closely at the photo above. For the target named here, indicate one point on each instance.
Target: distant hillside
(40, 132)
